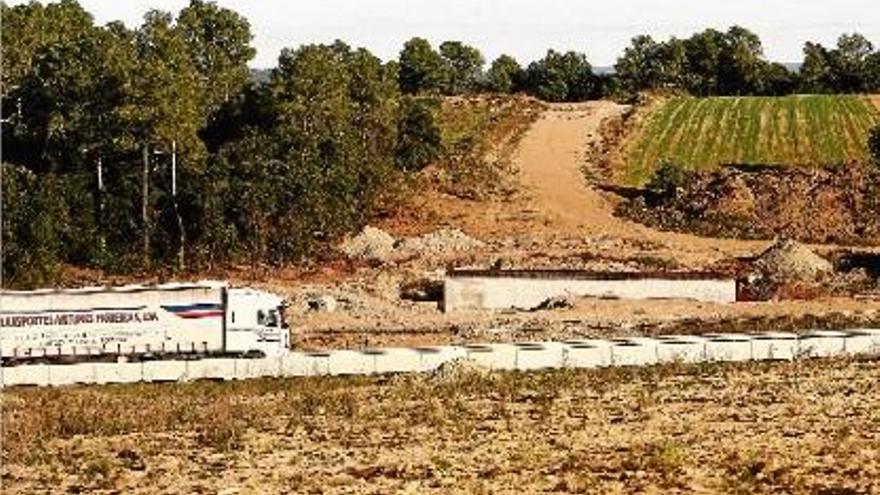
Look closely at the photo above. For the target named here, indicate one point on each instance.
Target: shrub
(874, 145)
(668, 178)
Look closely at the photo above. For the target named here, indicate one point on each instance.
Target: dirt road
(551, 159)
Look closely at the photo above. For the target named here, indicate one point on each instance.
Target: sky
(524, 28)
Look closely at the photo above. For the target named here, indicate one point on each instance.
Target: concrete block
(588, 353)
(118, 372)
(681, 349)
(70, 374)
(771, 346)
(396, 360)
(859, 343)
(347, 362)
(868, 334)
(26, 375)
(539, 356)
(822, 344)
(728, 347)
(310, 363)
(493, 356)
(634, 352)
(431, 358)
(257, 368)
(212, 369)
(166, 371)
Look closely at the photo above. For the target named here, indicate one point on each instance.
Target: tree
(816, 74)
(218, 41)
(418, 142)
(463, 65)
(561, 77)
(337, 126)
(505, 75)
(741, 64)
(703, 53)
(642, 65)
(849, 63)
(421, 68)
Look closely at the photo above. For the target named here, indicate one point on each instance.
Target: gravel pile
(790, 260)
(371, 244)
(439, 243)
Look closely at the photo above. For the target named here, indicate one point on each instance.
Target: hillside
(794, 130)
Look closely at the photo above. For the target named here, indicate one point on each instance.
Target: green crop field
(702, 133)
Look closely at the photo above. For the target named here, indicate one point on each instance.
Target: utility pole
(182, 239)
(144, 205)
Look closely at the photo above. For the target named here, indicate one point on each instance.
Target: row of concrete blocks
(511, 357)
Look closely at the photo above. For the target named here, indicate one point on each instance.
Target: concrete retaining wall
(524, 293)
(509, 357)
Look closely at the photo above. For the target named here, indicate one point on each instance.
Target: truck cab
(255, 322)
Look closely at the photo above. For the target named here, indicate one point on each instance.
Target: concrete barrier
(213, 369)
(118, 372)
(681, 349)
(71, 374)
(858, 343)
(593, 353)
(346, 363)
(397, 360)
(267, 367)
(634, 352)
(166, 371)
(493, 356)
(728, 347)
(822, 344)
(25, 375)
(431, 358)
(773, 346)
(590, 353)
(540, 356)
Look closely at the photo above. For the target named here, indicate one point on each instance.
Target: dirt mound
(836, 204)
(371, 244)
(439, 243)
(792, 261)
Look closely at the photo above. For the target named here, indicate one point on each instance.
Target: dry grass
(756, 428)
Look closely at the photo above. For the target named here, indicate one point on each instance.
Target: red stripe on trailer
(200, 314)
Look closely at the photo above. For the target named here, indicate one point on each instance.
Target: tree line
(709, 63)
(152, 147)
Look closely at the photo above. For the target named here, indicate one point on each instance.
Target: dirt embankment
(836, 205)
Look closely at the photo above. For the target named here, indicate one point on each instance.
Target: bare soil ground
(795, 428)
(554, 219)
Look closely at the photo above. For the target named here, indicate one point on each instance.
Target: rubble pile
(371, 244)
(789, 260)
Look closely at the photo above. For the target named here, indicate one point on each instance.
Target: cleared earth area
(794, 130)
(804, 427)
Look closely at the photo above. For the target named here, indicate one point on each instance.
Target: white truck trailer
(140, 322)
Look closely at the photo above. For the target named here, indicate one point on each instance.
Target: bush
(874, 145)
(668, 178)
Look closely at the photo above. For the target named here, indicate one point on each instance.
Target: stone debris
(458, 369)
(374, 244)
(789, 260)
(371, 244)
(442, 242)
